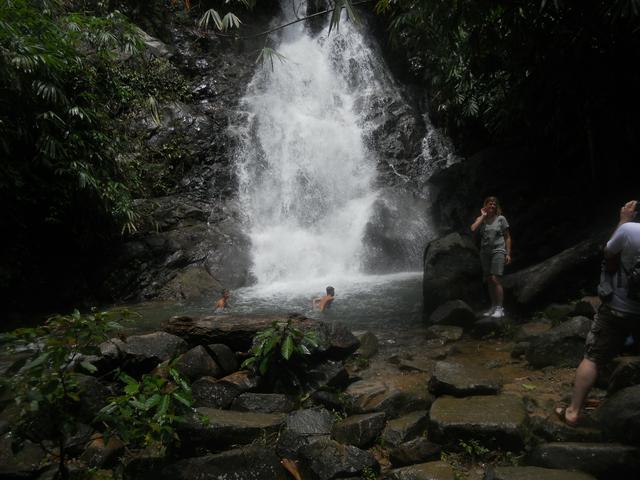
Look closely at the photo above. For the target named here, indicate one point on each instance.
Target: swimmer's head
(331, 291)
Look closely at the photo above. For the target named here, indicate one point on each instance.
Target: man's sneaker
(498, 313)
(489, 312)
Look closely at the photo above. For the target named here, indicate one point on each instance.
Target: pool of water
(378, 303)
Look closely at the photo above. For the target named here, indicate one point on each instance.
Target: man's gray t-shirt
(626, 242)
(492, 235)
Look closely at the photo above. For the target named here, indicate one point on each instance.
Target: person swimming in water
(325, 301)
(221, 304)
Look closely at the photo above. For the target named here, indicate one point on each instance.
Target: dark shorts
(608, 333)
(492, 263)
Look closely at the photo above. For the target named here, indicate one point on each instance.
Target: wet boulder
(626, 374)
(453, 312)
(562, 346)
(263, 402)
(327, 374)
(464, 380)
(494, 420)
(418, 450)
(366, 396)
(560, 276)
(26, 463)
(359, 430)
(423, 471)
(224, 357)
(213, 393)
(451, 271)
(490, 326)
(328, 459)
(197, 363)
(405, 428)
(144, 352)
(603, 460)
(304, 427)
(619, 415)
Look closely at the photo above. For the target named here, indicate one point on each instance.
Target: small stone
(463, 380)
(369, 345)
(448, 333)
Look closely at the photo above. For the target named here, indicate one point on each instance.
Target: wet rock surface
(602, 460)
(535, 473)
(304, 427)
(359, 430)
(451, 271)
(405, 428)
(418, 450)
(464, 380)
(328, 459)
(453, 312)
(197, 363)
(620, 415)
(562, 346)
(263, 402)
(423, 471)
(497, 420)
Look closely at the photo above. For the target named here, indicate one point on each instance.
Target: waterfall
(307, 179)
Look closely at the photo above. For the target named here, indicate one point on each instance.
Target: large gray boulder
(197, 363)
(626, 374)
(144, 352)
(562, 346)
(558, 277)
(494, 420)
(451, 271)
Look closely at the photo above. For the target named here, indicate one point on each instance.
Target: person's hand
(507, 259)
(483, 212)
(628, 212)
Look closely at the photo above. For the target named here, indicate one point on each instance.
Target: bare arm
(627, 214)
(475, 225)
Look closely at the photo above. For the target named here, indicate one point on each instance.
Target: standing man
(619, 314)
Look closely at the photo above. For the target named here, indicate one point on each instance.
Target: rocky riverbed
(462, 397)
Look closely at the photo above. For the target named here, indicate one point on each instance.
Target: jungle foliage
(549, 73)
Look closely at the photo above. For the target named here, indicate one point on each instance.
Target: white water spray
(306, 177)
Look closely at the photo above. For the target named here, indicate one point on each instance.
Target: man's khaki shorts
(609, 330)
(492, 264)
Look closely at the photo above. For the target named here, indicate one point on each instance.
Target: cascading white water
(306, 176)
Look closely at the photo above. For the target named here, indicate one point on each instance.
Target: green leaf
(39, 360)
(264, 364)
(182, 399)
(164, 407)
(528, 387)
(132, 388)
(287, 347)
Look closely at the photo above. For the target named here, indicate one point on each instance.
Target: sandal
(561, 414)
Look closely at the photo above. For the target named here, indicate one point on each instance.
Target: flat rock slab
(464, 380)
(237, 331)
(454, 312)
(534, 473)
(225, 427)
(143, 352)
(368, 396)
(359, 430)
(423, 471)
(405, 428)
(612, 460)
(495, 421)
(249, 463)
(552, 429)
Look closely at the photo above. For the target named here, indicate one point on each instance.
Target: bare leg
(291, 467)
(586, 375)
(499, 292)
(492, 289)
